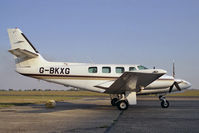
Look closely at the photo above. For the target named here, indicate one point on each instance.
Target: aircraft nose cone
(185, 84)
(188, 85)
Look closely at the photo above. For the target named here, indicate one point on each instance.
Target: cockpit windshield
(140, 67)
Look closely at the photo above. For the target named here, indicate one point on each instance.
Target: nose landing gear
(164, 102)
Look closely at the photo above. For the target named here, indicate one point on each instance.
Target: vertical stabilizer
(19, 40)
(24, 52)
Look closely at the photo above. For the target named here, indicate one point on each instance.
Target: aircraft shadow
(60, 106)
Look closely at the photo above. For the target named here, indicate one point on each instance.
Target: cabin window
(141, 67)
(92, 69)
(106, 70)
(132, 68)
(119, 69)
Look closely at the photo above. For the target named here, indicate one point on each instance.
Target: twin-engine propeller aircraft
(122, 82)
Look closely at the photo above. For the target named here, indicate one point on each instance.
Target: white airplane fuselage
(77, 75)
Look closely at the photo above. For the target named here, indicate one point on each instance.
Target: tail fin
(19, 40)
(24, 52)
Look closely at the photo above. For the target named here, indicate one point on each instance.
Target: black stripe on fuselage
(76, 76)
(69, 76)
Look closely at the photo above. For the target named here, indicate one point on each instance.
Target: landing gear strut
(164, 102)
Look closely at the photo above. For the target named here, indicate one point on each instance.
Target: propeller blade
(177, 86)
(171, 88)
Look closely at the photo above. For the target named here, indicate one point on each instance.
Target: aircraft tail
(24, 52)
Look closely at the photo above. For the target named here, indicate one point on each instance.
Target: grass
(13, 104)
(6, 105)
(16, 98)
(32, 99)
(194, 93)
(51, 93)
(6, 101)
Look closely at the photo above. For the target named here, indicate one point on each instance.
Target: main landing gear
(120, 101)
(114, 101)
(164, 102)
(122, 104)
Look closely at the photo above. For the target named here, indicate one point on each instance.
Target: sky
(147, 32)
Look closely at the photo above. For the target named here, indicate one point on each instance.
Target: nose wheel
(164, 102)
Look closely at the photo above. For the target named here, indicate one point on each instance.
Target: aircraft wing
(135, 80)
(23, 53)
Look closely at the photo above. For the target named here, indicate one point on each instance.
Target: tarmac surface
(96, 115)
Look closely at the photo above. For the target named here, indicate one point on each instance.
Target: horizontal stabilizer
(23, 53)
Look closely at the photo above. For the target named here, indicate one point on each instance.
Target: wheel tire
(165, 104)
(122, 105)
(113, 101)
